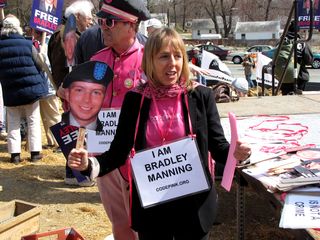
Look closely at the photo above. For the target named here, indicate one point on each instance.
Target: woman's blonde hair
(163, 37)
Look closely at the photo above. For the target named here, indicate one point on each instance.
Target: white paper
(301, 211)
(168, 172)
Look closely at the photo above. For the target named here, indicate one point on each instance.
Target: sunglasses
(108, 22)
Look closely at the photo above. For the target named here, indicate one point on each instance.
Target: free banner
(168, 172)
(304, 14)
(46, 18)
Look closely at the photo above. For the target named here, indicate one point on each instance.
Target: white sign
(263, 60)
(212, 61)
(98, 142)
(301, 211)
(168, 172)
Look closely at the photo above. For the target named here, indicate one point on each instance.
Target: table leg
(240, 207)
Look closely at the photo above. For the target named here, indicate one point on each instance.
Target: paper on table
(230, 167)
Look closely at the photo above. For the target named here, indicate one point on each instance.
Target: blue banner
(304, 14)
(46, 15)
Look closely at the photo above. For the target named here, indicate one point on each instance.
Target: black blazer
(193, 212)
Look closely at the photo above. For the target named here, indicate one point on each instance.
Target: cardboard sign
(168, 172)
(99, 142)
(46, 18)
(66, 136)
(304, 14)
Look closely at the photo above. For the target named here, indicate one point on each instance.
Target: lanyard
(133, 151)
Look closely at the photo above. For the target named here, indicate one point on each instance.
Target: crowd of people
(113, 66)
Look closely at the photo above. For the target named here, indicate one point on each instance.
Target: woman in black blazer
(169, 108)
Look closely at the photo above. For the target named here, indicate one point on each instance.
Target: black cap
(131, 10)
(91, 71)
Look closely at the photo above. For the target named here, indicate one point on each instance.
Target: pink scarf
(161, 91)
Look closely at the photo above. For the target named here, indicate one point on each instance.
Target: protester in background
(304, 56)
(23, 85)
(196, 60)
(82, 10)
(91, 41)
(50, 104)
(248, 65)
(196, 56)
(152, 25)
(168, 100)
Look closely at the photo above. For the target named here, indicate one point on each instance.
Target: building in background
(260, 30)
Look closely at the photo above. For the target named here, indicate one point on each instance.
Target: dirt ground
(65, 206)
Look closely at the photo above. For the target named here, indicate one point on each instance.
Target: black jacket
(197, 211)
(22, 80)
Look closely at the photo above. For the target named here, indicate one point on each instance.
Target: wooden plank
(18, 218)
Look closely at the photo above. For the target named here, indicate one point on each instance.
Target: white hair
(83, 7)
(11, 24)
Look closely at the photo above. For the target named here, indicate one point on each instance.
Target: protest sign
(168, 172)
(46, 18)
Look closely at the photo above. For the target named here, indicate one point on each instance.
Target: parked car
(316, 57)
(220, 52)
(237, 57)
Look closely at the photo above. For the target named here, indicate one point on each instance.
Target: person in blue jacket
(23, 84)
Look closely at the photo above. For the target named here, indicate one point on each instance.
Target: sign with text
(301, 211)
(66, 136)
(168, 172)
(304, 14)
(99, 142)
(46, 17)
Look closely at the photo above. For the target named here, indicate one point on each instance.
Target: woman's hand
(78, 159)
(242, 151)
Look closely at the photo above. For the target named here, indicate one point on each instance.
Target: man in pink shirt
(119, 22)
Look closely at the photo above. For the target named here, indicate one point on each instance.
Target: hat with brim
(91, 71)
(129, 10)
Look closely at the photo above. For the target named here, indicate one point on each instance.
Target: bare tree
(211, 7)
(224, 9)
(266, 17)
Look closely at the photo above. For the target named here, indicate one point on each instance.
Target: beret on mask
(91, 71)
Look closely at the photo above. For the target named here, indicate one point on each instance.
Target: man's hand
(78, 159)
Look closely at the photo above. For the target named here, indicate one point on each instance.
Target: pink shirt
(127, 72)
(158, 126)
